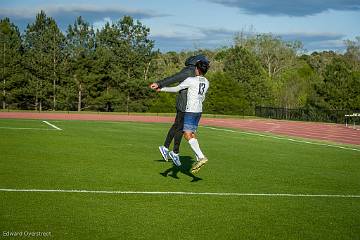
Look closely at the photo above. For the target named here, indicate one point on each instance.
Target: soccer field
(104, 182)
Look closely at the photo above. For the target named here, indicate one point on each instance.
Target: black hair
(203, 66)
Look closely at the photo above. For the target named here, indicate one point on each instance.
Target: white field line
(15, 128)
(184, 193)
(283, 138)
(52, 125)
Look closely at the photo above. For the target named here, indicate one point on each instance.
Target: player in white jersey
(197, 88)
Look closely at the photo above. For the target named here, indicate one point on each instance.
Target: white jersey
(197, 88)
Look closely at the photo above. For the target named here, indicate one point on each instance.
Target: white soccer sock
(194, 144)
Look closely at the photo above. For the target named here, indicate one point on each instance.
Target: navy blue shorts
(191, 121)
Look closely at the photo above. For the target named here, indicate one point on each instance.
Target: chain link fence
(311, 114)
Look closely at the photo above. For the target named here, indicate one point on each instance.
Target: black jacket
(181, 99)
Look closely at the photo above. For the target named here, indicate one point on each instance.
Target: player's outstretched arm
(186, 72)
(171, 89)
(185, 84)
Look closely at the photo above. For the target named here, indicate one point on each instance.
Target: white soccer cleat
(201, 162)
(164, 152)
(175, 158)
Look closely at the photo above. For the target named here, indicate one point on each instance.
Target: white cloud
(68, 13)
(290, 8)
(100, 24)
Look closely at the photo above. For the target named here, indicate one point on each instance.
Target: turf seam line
(52, 125)
(283, 138)
(183, 193)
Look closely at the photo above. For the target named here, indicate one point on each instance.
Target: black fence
(316, 115)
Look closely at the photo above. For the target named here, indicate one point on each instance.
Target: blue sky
(190, 24)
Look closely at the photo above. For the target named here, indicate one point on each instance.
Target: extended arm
(172, 89)
(186, 72)
(181, 86)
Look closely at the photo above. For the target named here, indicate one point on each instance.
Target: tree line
(109, 69)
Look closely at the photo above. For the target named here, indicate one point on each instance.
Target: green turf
(124, 157)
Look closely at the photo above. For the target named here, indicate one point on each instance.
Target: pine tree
(80, 50)
(43, 42)
(130, 53)
(11, 71)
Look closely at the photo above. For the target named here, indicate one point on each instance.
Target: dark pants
(175, 132)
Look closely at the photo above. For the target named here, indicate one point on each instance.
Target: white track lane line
(52, 125)
(283, 138)
(185, 193)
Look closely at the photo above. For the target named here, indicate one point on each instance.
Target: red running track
(320, 131)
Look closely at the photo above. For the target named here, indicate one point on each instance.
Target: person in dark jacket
(176, 131)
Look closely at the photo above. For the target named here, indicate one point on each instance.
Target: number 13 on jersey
(201, 88)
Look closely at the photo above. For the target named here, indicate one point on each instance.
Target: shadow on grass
(185, 168)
